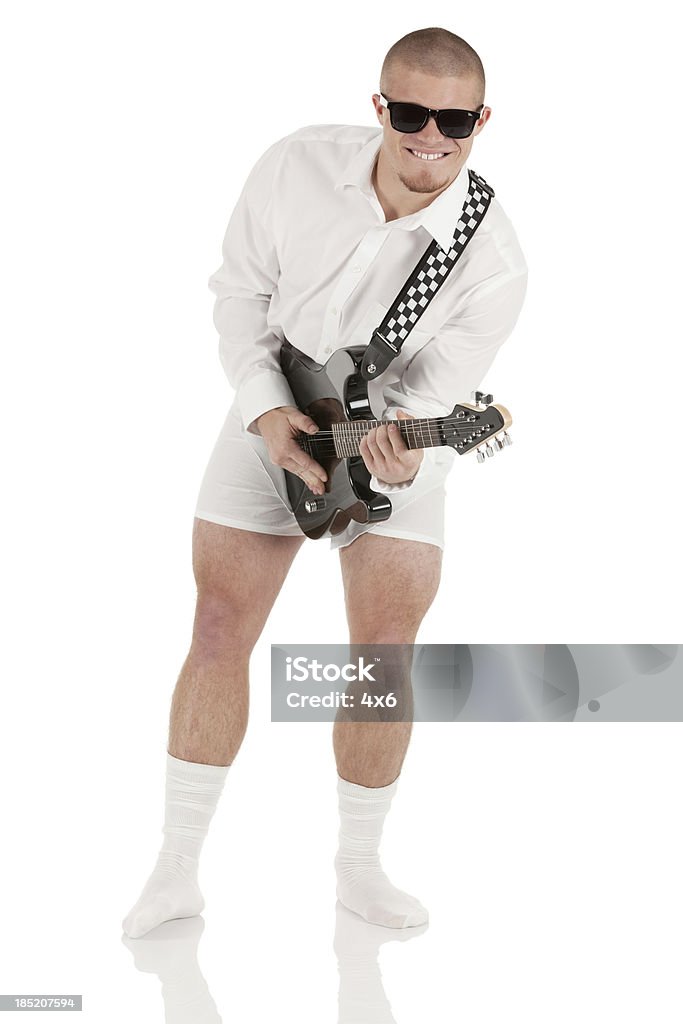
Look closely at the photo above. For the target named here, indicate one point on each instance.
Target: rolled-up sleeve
(243, 286)
(453, 363)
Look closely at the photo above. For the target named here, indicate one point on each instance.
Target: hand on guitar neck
(386, 454)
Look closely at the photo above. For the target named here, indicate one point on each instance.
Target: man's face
(414, 173)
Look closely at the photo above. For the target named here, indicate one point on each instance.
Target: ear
(483, 118)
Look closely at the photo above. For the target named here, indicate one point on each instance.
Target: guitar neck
(417, 433)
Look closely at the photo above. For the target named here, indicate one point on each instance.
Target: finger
(366, 454)
(312, 481)
(289, 448)
(396, 445)
(387, 443)
(375, 453)
(303, 463)
(301, 421)
(401, 415)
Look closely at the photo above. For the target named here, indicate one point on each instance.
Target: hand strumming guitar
(279, 428)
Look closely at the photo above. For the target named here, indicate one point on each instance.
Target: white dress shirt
(308, 255)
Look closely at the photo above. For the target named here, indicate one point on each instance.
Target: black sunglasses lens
(456, 124)
(407, 117)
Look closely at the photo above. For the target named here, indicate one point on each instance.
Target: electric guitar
(335, 396)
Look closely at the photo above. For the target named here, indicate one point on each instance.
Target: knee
(381, 632)
(222, 626)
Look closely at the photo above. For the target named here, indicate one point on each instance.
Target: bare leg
(389, 585)
(238, 574)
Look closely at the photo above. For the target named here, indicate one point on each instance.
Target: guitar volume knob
(314, 504)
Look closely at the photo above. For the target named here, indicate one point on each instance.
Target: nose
(430, 134)
(430, 137)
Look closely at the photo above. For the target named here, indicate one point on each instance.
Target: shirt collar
(439, 218)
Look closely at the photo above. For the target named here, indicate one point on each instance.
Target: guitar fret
(417, 433)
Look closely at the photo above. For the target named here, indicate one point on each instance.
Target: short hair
(438, 52)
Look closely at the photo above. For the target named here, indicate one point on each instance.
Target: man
(329, 224)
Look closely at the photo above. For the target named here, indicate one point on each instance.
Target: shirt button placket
(333, 311)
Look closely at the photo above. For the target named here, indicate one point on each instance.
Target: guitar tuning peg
(498, 444)
(480, 397)
(507, 440)
(480, 455)
(489, 450)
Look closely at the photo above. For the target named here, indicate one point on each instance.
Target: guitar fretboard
(345, 437)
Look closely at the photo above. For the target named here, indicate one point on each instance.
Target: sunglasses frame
(431, 113)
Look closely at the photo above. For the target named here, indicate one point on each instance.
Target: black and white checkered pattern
(434, 266)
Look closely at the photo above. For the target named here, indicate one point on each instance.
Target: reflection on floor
(357, 943)
(170, 952)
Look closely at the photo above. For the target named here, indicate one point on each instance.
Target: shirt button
(333, 311)
(327, 349)
(356, 269)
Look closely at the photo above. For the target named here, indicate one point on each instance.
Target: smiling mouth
(427, 158)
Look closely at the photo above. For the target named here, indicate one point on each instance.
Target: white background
(548, 856)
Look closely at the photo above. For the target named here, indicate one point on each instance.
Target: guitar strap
(424, 282)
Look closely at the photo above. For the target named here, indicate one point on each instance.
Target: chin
(422, 186)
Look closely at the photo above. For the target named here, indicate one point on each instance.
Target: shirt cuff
(384, 488)
(267, 390)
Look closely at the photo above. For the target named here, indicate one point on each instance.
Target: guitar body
(332, 394)
(335, 396)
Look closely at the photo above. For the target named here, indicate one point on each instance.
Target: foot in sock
(167, 895)
(362, 885)
(172, 890)
(374, 897)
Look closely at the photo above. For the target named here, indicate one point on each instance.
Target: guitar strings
(415, 424)
(324, 442)
(330, 449)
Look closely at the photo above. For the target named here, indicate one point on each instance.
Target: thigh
(389, 584)
(238, 575)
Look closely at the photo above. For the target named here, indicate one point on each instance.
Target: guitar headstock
(480, 425)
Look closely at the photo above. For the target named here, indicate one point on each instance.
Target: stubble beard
(423, 185)
(425, 189)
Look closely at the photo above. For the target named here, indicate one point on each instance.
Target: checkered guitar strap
(424, 282)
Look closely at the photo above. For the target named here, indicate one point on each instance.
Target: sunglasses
(411, 117)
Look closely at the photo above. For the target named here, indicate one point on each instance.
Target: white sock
(362, 885)
(171, 891)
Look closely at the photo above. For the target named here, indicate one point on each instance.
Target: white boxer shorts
(243, 489)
